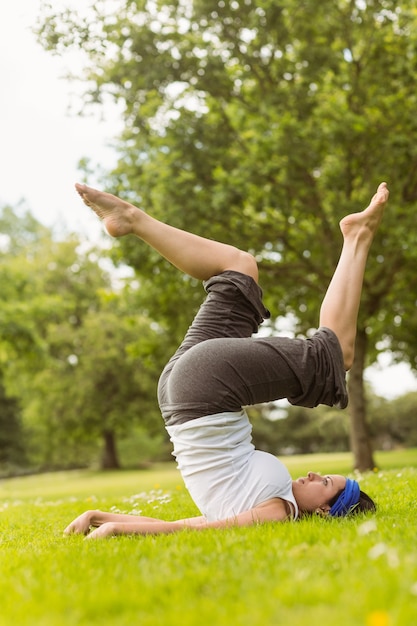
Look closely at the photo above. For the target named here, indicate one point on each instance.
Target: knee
(246, 263)
(348, 356)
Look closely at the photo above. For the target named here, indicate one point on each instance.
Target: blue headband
(347, 500)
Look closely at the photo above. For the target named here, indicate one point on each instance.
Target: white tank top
(221, 469)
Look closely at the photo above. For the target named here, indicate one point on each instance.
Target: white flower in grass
(376, 551)
(358, 475)
(367, 527)
(393, 558)
(380, 549)
(115, 509)
(155, 496)
(17, 503)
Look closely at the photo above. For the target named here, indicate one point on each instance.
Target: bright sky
(41, 144)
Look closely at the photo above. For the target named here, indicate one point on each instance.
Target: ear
(323, 511)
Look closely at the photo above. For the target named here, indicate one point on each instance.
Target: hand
(108, 529)
(81, 525)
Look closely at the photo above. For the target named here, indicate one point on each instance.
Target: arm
(113, 524)
(95, 519)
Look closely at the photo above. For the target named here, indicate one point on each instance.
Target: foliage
(274, 574)
(392, 424)
(12, 449)
(252, 118)
(302, 431)
(75, 353)
(266, 122)
(111, 378)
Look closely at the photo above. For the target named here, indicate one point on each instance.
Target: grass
(354, 572)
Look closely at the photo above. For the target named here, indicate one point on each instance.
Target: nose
(313, 476)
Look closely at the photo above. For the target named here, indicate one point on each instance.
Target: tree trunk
(359, 435)
(109, 459)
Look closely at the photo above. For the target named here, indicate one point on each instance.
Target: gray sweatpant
(220, 367)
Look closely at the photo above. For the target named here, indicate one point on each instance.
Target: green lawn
(350, 572)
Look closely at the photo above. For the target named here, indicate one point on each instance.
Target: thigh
(225, 374)
(233, 308)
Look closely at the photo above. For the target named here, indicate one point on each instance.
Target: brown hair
(365, 504)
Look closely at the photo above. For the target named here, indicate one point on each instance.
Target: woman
(220, 368)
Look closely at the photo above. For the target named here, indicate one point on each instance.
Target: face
(314, 492)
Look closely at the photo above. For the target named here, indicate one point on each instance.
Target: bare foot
(365, 223)
(116, 214)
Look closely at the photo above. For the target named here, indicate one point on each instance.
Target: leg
(244, 371)
(340, 307)
(194, 255)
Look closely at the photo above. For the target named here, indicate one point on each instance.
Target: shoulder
(275, 509)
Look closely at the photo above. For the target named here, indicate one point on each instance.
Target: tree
(393, 422)
(12, 445)
(76, 355)
(268, 121)
(99, 381)
(301, 430)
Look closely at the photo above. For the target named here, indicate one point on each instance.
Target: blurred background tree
(78, 360)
